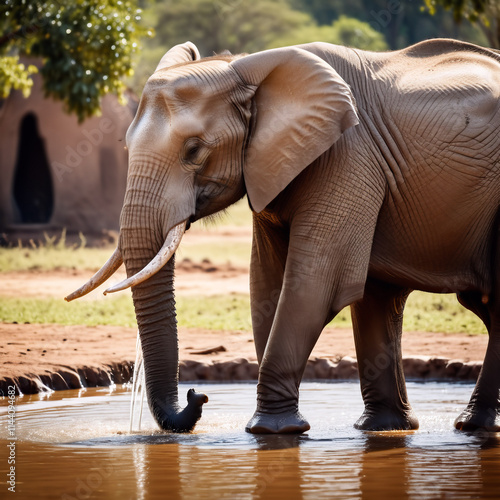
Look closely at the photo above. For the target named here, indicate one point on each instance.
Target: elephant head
(206, 132)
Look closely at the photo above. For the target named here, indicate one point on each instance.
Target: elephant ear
(178, 54)
(302, 106)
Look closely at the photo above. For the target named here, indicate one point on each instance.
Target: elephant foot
(387, 420)
(474, 418)
(291, 422)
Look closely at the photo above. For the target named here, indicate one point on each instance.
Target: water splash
(138, 386)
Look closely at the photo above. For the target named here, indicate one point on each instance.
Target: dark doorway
(33, 189)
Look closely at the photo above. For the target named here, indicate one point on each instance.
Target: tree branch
(23, 31)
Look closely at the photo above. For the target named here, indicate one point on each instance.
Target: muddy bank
(40, 357)
(236, 370)
(35, 358)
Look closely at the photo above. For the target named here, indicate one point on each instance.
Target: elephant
(369, 175)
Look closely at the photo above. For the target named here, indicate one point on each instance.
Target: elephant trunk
(140, 239)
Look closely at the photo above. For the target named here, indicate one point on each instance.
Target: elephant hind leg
(378, 325)
(474, 302)
(483, 410)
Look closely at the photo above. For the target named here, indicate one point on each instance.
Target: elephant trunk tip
(196, 398)
(186, 419)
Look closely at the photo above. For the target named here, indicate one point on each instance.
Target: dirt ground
(31, 349)
(34, 349)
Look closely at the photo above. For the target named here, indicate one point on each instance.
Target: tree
(326, 11)
(402, 22)
(86, 46)
(484, 13)
(344, 31)
(234, 25)
(215, 26)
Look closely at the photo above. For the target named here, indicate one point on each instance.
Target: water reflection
(376, 475)
(79, 448)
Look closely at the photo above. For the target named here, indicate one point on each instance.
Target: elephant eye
(193, 152)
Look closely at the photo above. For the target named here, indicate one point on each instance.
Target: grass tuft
(424, 312)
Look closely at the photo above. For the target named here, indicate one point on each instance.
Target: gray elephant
(369, 175)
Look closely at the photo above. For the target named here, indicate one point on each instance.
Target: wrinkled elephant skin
(369, 175)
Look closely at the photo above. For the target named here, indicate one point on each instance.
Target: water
(76, 444)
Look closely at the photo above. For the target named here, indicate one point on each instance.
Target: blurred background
(71, 74)
(254, 25)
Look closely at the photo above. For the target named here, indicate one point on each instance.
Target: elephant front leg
(377, 322)
(267, 266)
(298, 322)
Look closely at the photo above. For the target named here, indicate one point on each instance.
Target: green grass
(238, 214)
(424, 312)
(55, 254)
(215, 313)
(51, 254)
(47, 259)
(91, 259)
(439, 313)
(220, 252)
(428, 312)
(117, 311)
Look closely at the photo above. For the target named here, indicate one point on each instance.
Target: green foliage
(401, 22)
(214, 26)
(344, 31)
(325, 12)
(253, 25)
(14, 75)
(239, 26)
(469, 9)
(484, 13)
(220, 312)
(50, 259)
(87, 47)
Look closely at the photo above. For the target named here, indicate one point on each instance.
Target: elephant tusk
(106, 271)
(168, 249)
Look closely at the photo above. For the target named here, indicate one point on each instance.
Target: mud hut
(56, 173)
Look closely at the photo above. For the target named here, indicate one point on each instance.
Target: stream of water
(77, 444)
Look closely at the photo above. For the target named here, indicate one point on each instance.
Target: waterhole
(77, 444)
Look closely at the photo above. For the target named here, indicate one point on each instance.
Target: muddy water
(76, 444)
